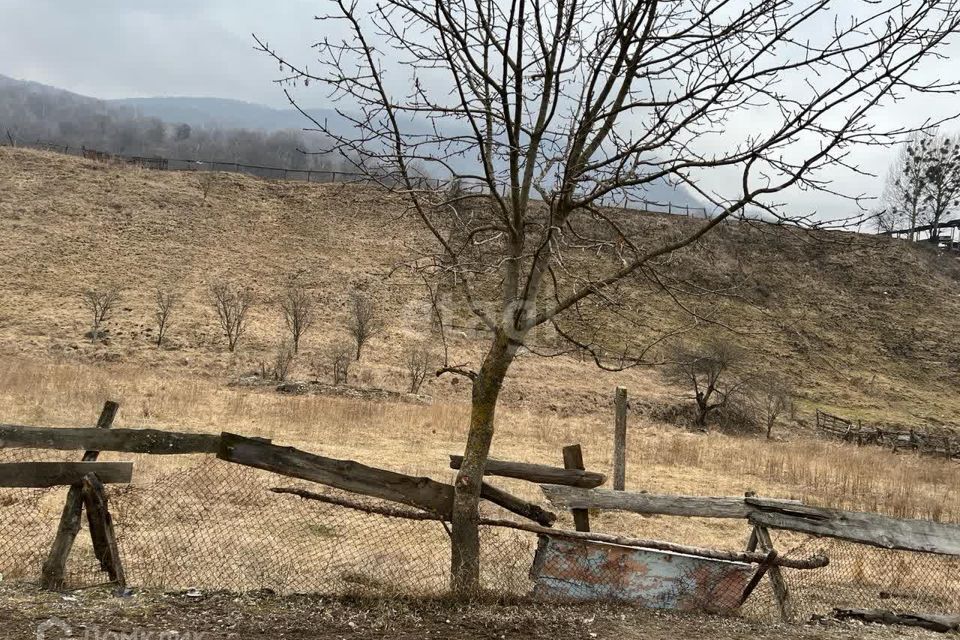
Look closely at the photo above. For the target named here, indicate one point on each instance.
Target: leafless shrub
(100, 303)
(365, 320)
(707, 369)
(164, 304)
(774, 397)
(337, 360)
(206, 180)
(281, 364)
(297, 306)
(232, 304)
(417, 362)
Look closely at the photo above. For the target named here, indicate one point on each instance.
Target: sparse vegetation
(297, 307)
(232, 305)
(282, 363)
(100, 303)
(164, 304)
(365, 320)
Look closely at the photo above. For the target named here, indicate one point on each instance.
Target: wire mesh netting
(198, 522)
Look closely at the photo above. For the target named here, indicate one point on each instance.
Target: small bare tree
(365, 320)
(297, 306)
(707, 369)
(232, 305)
(164, 304)
(100, 303)
(418, 362)
(775, 397)
(338, 357)
(282, 363)
(206, 181)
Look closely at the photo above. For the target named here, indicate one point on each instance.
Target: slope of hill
(865, 326)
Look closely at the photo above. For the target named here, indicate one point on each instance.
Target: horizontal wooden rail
(52, 474)
(813, 562)
(649, 503)
(865, 528)
(92, 439)
(538, 473)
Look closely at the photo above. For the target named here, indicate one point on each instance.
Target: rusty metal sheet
(582, 570)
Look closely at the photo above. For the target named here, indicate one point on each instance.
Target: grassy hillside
(864, 326)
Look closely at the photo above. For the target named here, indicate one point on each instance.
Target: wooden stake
(55, 567)
(620, 440)
(573, 459)
(780, 590)
(101, 529)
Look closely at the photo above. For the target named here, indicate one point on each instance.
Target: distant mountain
(138, 125)
(222, 113)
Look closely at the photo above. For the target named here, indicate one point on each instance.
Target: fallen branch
(933, 622)
(813, 562)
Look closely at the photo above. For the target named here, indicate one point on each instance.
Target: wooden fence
(569, 488)
(939, 443)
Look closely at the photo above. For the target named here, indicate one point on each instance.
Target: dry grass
(844, 334)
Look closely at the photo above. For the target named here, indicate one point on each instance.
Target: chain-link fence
(199, 522)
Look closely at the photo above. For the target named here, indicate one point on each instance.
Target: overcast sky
(124, 48)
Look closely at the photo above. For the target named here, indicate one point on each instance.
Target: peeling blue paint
(581, 570)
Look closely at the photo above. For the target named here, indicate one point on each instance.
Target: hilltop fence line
(321, 176)
(940, 443)
(221, 511)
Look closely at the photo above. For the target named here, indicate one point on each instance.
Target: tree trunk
(465, 535)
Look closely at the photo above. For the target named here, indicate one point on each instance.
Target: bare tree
(548, 111)
(297, 306)
(338, 357)
(707, 369)
(418, 363)
(100, 303)
(232, 305)
(905, 193)
(365, 320)
(164, 304)
(775, 397)
(942, 172)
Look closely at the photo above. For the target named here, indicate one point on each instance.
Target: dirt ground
(95, 614)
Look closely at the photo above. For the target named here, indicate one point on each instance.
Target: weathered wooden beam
(101, 529)
(348, 475)
(126, 440)
(54, 567)
(538, 473)
(573, 459)
(866, 528)
(649, 503)
(51, 474)
(516, 505)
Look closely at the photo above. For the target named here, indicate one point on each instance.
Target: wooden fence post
(55, 567)
(101, 529)
(620, 440)
(573, 459)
